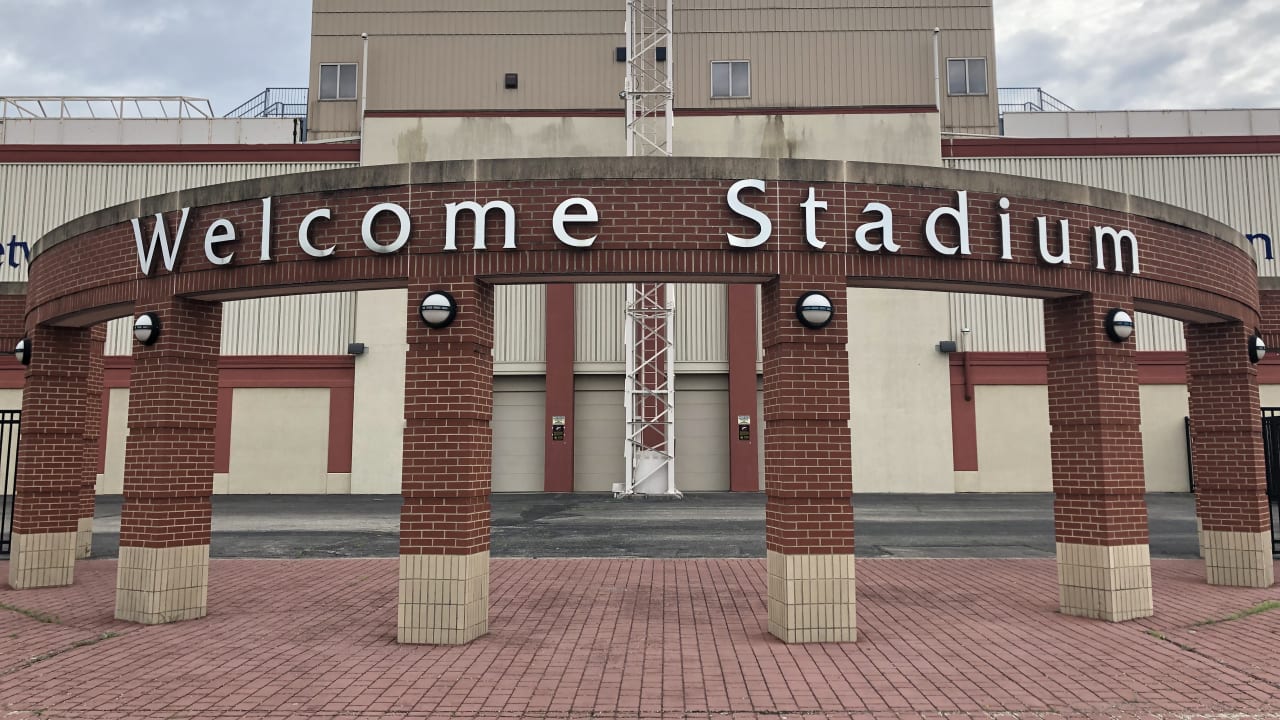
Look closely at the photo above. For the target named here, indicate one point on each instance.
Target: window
(338, 82)
(730, 79)
(966, 76)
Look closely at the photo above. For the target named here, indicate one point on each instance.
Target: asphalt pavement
(711, 525)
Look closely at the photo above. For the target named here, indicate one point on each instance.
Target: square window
(966, 76)
(730, 79)
(338, 81)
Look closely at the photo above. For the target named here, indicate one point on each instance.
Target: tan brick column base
(1105, 583)
(162, 585)
(444, 599)
(84, 538)
(42, 560)
(1239, 559)
(811, 598)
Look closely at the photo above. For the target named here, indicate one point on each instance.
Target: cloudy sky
(1094, 54)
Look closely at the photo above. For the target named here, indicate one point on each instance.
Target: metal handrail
(104, 107)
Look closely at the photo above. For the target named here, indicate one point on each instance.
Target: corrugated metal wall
(37, 198)
(1238, 190)
(810, 53)
(520, 328)
(700, 336)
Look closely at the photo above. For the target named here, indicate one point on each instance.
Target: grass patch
(33, 614)
(1261, 607)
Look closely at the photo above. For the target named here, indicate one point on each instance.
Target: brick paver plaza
(633, 638)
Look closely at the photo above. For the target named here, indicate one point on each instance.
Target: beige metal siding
(1236, 189)
(701, 328)
(35, 198)
(520, 329)
(700, 333)
(997, 323)
(451, 56)
(292, 325)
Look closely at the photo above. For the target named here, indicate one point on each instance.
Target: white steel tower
(650, 391)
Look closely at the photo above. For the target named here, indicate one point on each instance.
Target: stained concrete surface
(710, 525)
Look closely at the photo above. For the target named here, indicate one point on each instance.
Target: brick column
(1226, 451)
(46, 503)
(744, 458)
(558, 449)
(1100, 510)
(168, 472)
(92, 434)
(448, 448)
(808, 468)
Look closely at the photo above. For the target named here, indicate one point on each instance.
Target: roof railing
(104, 107)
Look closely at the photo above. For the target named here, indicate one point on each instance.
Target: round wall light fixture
(1119, 325)
(22, 351)
(438, 309)
(814, 310)
(146, 328)
(1257, 348)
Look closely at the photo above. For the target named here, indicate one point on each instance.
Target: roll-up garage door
(519, 403)
(702, 435)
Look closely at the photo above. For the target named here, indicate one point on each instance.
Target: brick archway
(794, 227)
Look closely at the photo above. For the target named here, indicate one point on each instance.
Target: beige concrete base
(444, 599)
(162, 585)
(1200, 535)
(811, 598)
(42, 560)
(84, 538)
(1105, 583)
(1239, 559)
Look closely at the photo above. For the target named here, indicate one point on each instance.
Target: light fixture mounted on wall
(438, 309)
(814, 310)
(1257, 348)
(146, 328)
(1119, 325)
(22, 351)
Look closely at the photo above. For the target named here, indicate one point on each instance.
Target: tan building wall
(451, 56)
(1164, 443)
(900, 391)
(904, 138)
(279, 444)
(1013, 440)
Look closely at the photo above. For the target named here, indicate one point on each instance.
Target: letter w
(159, 234)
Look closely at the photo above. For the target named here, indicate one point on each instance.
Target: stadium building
(804, 135)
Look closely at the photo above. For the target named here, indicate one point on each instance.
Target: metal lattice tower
(648, 89)
(650, 392)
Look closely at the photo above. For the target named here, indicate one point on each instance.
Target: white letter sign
(366, 228)
(219, 232)
(161, 235)
(562, 216)
(961, 217)
(304, 234)
(736, 205)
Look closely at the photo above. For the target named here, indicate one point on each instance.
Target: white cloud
(1137, 54)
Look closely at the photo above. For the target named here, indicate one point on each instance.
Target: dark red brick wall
(52, 443)
(1226, 445)
(1095, 416)
(448, 441)
(807, 448)
(93, 417)
(671, 228)
(173, 398)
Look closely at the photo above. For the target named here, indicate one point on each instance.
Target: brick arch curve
(657, 220)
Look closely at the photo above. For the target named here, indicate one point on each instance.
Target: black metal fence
(10, 423)
(1271, 451)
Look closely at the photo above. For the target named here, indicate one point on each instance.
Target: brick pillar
(168, 473)
(46, 503)
(1226, 451)
(448, 448)
(92, 434)
(1100, 510)
(558, 446)
(808, 468)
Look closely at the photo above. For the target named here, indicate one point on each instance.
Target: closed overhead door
(519, 404)
(702, 433)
